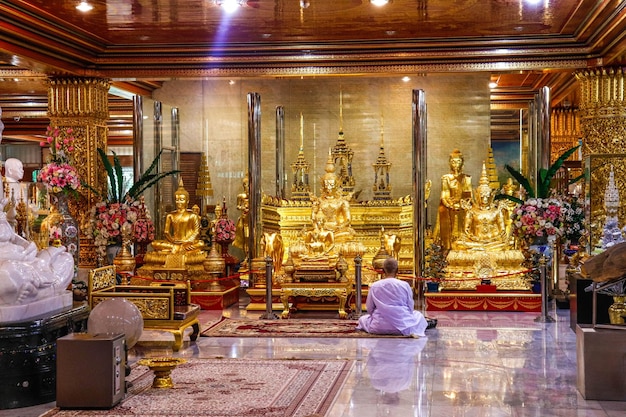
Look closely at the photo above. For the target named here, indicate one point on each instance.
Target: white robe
(390, 310)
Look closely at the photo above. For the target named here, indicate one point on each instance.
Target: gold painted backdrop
(213, 117)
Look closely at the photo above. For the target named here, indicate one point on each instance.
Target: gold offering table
(318, 291)
(163, 306)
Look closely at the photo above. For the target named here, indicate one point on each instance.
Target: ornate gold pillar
(565, 131)
(602, 110)
(603, 124)
(82, 104)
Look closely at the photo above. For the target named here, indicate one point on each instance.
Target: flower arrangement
(143, 227)
(58, 175)
(107, 222)
(224, 230)
(538, 217)
(573, 218)
(108, 219)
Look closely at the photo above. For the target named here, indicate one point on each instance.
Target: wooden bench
(163, 306)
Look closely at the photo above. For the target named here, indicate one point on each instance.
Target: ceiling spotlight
(84, 6)
(406, 78)
(230, 6)
(380, 3)
(493, 84)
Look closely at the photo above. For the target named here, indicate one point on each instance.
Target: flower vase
(229, 259)
(142, 249)
(617, 310)
(124, 261)
(61, 227)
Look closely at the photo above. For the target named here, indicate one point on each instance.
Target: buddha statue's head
(181, 196)
(456, 161)
(329, 181)
(484, 192)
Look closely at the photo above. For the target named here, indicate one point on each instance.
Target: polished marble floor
(473, 364)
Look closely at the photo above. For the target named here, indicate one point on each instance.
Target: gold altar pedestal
(312, 293)
(257, 299)
(466, 269)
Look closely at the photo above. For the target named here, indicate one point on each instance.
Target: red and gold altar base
(216, 300)
(476, 301)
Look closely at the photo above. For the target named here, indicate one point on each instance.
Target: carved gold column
(603, 124)
(82, 104)
(565, 131)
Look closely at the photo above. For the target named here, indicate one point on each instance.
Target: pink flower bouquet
(538, 217)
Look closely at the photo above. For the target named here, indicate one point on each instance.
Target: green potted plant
(544, 180)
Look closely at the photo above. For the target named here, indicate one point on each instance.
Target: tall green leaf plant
(544, 182)
(115, 189)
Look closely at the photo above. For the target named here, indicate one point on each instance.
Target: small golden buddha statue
(181, 245)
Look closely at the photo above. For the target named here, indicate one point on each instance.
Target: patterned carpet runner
(231, 387)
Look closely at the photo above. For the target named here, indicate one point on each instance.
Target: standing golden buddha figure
(242, 229)
(455, 187)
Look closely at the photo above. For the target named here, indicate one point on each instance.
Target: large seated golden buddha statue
(483, 251)
(181, 249)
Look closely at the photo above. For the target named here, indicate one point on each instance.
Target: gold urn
(214, 263)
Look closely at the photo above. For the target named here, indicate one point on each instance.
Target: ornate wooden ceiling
(138, 43)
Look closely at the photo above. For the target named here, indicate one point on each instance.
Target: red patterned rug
(286, 328)
(231, 387)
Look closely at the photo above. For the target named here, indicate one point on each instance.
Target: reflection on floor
(472, 364)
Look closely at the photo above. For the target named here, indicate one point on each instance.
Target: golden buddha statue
(483, 250)
(484, 227)
(455, 187)
(242, 231)
(181, 246)
(330, 212)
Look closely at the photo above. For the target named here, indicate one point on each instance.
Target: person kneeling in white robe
(390, 306)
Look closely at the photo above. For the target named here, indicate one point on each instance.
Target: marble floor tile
(482, 364)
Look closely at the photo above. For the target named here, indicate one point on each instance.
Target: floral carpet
(231, 387)
(286, 328)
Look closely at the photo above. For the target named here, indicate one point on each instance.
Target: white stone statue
(32, 283)
(13, 170)
(13, 174)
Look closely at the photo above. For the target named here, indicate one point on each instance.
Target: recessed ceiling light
(493, 84)
(230, 6)
(406, 79)
(84, 7)
(380, 3)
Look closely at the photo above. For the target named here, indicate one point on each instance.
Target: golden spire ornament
(300, 188)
